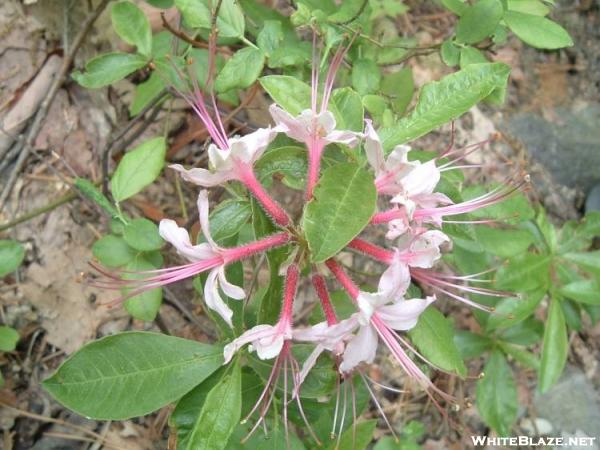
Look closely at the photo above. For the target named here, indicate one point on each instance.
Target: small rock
(537, 426)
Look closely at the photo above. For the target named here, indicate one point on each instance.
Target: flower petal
(203, 210)
(250, 147)
(180, 239)
(295, 128)
(230, 290)
(201, 177)
(251, 335)
(422, 179)
(349, 138)
(395, 280)
(213, 299)
(362, 348)
(424, 251)
(327, 335)
(374, 149)
(404, 314)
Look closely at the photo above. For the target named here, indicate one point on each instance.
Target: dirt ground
(55, 312)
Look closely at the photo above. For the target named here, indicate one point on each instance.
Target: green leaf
(503, 242)
(289, 161)
(537, 31)
(450, 53)
(525, 272)
(197, 14)
(365, 76)
(512, 310)
(138, 168)
(112, 251)
(447, 99)
(479, 21)
(220, 414)
(555, 347)
(434, 337)
(270, 36)
(497, 395)
(146, 92)
(471, 55)
(399, 87)
(131, 374)
(91, 192)
(142, 234)
(356, 437)
(163, 4)
(131, 24)
(523, 357)
(584, 291)
(288, 92)
(526, 332)
(471, 345)
(458, 7)
(241, 70)
(228, 218)
(344, 201)
(589, 261)
(143, 306)
(535, 7)
(108, 68)
(348, 109)
(11, 256)
(8, 339)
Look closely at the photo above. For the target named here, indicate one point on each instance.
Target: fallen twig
(45, 106)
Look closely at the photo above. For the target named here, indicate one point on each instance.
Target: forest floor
(550, 124)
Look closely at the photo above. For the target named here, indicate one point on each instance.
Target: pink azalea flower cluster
(414, 217)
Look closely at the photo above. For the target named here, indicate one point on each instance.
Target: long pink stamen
(247, 176)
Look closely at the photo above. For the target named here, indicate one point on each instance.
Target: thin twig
(36, 212)
(188, 39)
(45, 106)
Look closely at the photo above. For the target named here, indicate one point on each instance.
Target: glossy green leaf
(589, 261)
(138, 168)
(288, 92)
(344, 201)
(555, 347)
(434, 337)
(11, 256)
(8, 339)
(131, 374)
(241, 70)
(197, 14)
(143, 306)
(348, 109)
(471, 55)
(131, 24)
(523, 357)
(497, 395)
(356, 437)
(537, 31)
(503, 242)
(112, 251)
(445, 100)
(479, 21)
(107, 68)
(584, 291)
(142, 234)
(219, 415)
(526, 332)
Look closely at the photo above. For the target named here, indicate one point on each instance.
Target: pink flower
(179, 238)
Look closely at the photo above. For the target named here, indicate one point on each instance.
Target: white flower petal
(180, 239)
(295, 128)
(203, 212)
(395, 280)
(422, 179)
(230, 290)
(213, 299)
(374, 149)
(201, 177)
(250, 147)
(362, 348)
(327, 335)
(424, 251)
(349, 138)
(404, 314)
(249, 336)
